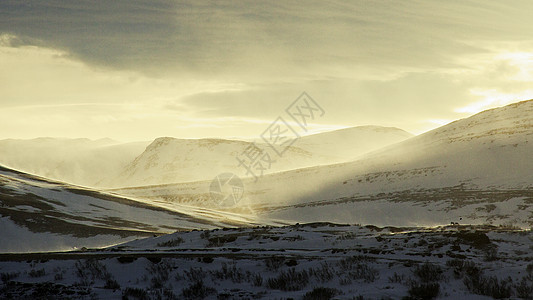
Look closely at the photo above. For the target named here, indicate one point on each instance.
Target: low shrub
(491, 253)
(476, 239)
(197, 290)
(524, 288)
(111, 284)
(195, 274)
(137, 293)
(37, 273)
(397, 278)
(160, 273)
(291, 263)
(428, 272)
(171, 243)
(348, 263)
(480, 284)
(324, 273)
(463, 268)
(207, 259)
(228, 272)
(424, 290)
(274, 263)
(8, 276)
(257, 279)
(321, 293)
(219, 241)
(58, 276)
(358, 269)
(290, 280)
(90, 270)
(491, 286)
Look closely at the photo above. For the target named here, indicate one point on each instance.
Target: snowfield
(308, 261)
(106, 163)
(447, 214)
(475, 170)
(170, 160)
(37, 214)
(77, 161)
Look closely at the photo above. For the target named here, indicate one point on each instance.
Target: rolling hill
(37, 214)
(170, 160)
(106, 163)
(474, 170)
(347, 144)
(78, 161)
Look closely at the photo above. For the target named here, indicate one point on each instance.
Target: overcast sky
(136, 70)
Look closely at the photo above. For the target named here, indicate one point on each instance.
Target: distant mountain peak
(375, 128)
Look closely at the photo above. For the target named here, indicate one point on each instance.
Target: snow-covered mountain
(107, 163)
(475, 170)
(347, 144)
(37, 214)
(171, 160)
(78, 161)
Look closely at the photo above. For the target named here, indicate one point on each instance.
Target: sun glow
(513, 69)
(493, 98)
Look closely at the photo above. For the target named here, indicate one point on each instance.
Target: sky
(136, 70)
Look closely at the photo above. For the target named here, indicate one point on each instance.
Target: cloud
(46, 92)
(254, 39)
(400, 102)
(203, 68)
(493, 98)
(33, 74)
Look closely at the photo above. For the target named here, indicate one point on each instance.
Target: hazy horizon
(132, 71)
(266, 149)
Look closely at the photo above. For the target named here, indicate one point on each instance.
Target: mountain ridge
(169, 160)
(39, 214)
(464, 166)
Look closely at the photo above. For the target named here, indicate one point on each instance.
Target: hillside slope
(475, 170)
(37, 214)
(301, 261)
(347, 144)
(171, 160)
(78, 161)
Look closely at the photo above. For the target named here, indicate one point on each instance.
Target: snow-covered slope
(171, 160)
(347, 144)
(37, 214)
(79, 161)
(302, 261)
(106, 163)
(475, 170)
